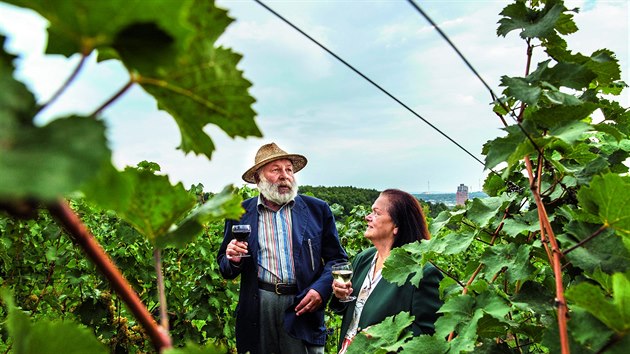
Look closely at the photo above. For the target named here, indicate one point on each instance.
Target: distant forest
(349, 197)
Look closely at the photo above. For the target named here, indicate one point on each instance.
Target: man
(286, 281)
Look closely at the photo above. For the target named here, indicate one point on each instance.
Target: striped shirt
(275, 256)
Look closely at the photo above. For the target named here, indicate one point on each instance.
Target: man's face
(277, 182)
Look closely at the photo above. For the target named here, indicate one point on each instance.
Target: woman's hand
(341, 290)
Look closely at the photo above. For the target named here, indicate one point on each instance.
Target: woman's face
(380, 226)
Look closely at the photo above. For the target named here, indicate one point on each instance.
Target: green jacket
(388, 299)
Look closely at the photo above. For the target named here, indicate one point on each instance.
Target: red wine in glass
(241, 233)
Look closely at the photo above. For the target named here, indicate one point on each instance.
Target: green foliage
(491, 247)
(48, 336)
(51, 279)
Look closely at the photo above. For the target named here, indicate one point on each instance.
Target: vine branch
(65, 85)
(581, 243)
(82, 237)
(547, 232)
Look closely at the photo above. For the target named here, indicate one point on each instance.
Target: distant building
(462, 195)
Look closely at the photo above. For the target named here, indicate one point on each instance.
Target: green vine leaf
(607, 252)
(535, 24)
(404, 264)
(514, 259)
(82, 26)
(225, 205)
(483, 212)
(154, 205)
(463, 314)
(510, 148)
(385, 337)
(17, 103)
(607, 197)
(29, 170)
(205, 87)
(426, 344)
(168, 48)
(553, 116)
(47, 336)
(615, 312)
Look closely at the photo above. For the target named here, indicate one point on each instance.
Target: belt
(279, 288)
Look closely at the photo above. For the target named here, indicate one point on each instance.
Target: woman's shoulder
(430, 272)
(365, 256)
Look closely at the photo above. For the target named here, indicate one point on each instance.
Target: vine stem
(115, 97)
(161, 292)
(581, 243)
(546, 231)
(65, 85)
(82, 237)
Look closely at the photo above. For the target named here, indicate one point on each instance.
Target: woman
(396, 219)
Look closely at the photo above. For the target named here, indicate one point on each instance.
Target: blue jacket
(316, 248)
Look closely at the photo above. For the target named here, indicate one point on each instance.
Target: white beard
(270, 191)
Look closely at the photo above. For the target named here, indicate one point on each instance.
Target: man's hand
(310, 303)
(234, 250)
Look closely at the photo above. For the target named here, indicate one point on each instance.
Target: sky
(309, 103)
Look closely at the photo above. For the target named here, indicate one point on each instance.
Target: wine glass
(342, 272)
(241, 233)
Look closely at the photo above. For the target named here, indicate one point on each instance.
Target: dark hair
(406, 213)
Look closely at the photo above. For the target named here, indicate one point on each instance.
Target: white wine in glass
(241, 233)
(342, 272)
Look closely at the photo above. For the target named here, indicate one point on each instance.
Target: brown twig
(581, 243)
(65, 85)
(448, 274)
(82, 237)
(114, 98)
(555, 256)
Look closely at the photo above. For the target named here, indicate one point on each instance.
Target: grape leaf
(515, 260)
(571, 132)
(225, 205)
(613, 313)
(168, 47)
(385, 337)
(78, 26)
(154, 205)
(426, 344)
(47, 336)
(205, 87)
(43, 163)
(484, 211)
(17, 103)
(510, 149)
(404, 263)
(463, 313)
(608, 198)
(607, 252)
(533, 23)
(521, 89)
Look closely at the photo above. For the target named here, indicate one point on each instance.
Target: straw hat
(271, 152)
